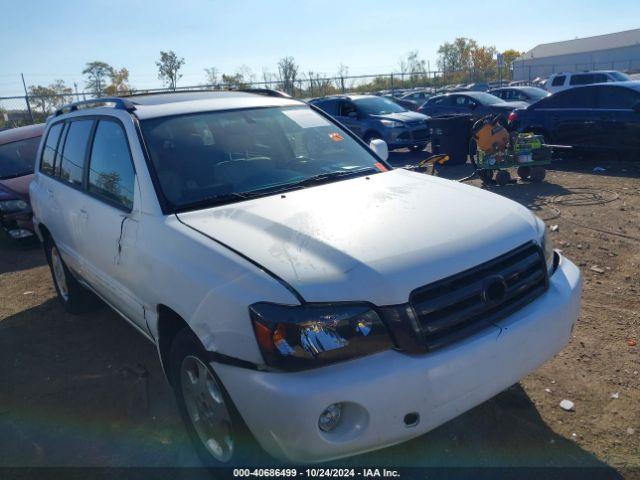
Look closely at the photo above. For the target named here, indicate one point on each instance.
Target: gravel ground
(88, 390)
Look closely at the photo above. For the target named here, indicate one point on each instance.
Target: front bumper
(282, 409)
(408, 137)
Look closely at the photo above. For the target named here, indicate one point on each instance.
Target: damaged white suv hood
(371, 238)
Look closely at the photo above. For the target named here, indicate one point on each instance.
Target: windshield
(18, 158)
(486, 98)
(620, 77)
(221, 157)
(536, 93)
(378, 106)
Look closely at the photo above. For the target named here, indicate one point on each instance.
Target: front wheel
(217, 431)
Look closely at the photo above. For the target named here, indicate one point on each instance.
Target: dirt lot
(88, 390)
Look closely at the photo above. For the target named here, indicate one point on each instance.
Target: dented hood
(370, 239)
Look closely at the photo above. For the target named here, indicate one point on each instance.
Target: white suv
(299, 290)
(562, 81)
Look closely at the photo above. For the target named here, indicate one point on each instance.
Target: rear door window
(111, 173)
(49, 152)
(558, 81)
(74, 152)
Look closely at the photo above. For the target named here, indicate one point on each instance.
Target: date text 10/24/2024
(316, 472)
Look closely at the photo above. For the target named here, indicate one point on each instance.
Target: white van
(298, 292)
(562, 81)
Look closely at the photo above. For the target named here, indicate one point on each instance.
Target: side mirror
(473, 106)
(353, 114)
(380, 148)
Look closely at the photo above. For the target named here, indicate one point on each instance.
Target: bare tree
(343, 71)
(267, 77)
(169, 67)
(288, 74)
(212, 76)
(97, 73)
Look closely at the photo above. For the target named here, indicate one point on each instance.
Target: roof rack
(119, 103)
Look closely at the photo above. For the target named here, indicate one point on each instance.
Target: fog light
(330, 418)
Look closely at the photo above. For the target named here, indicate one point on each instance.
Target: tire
(524, 172)
(486, 176)
(74, 297)
(537, 174)
(503, 177)
(230, 441)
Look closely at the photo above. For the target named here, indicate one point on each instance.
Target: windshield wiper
(323, 177)
(231, 197)
(212, 201)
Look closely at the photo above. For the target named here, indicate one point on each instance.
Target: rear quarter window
(558, 81)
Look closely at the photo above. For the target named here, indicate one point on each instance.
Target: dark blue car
(372, 117)
(594, 117)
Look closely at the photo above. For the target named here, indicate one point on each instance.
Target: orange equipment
(490, 135)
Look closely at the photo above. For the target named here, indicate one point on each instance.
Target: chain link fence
(24, 110)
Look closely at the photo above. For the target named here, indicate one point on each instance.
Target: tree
(287, 74)
(234, 82)
(484, 62)
(212, 76)
(119, 82)
(42, 98)
(508, 57)
(267, 77)
(61, 92)
(411, 64)
(456, 56)
(169, 67)
(97, 73)
(49, 98)
(341, 83)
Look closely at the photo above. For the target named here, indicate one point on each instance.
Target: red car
(18, 150)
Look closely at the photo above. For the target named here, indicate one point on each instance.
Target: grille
(421, 134)
(463, 304)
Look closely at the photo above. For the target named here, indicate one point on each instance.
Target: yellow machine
(490, 135)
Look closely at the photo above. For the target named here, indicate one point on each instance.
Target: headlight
(308, 336)
(392, 124)
(10, 206)
(547, 246)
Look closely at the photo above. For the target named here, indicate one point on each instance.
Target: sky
(48, 40)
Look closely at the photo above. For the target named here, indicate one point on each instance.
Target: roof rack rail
(119, 103)
(269, 92)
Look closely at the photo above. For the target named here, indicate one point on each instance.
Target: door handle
(83, 214)
(49, 193)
